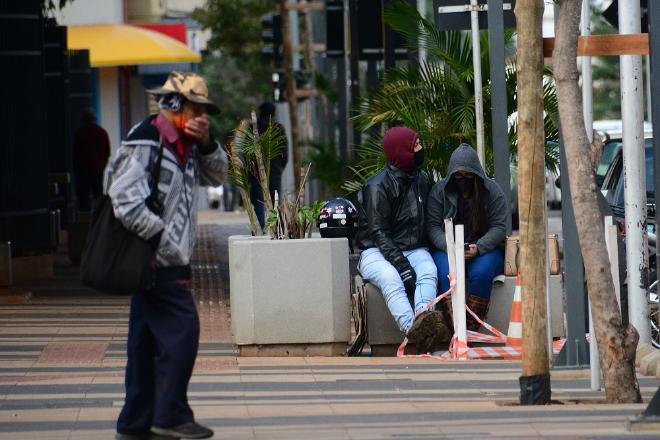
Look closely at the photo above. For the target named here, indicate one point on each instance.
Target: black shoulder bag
(116, 260)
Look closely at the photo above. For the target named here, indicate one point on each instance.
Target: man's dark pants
(257, 195)
(163, 338)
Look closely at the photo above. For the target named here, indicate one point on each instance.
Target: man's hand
(471, 252)
(198, 130)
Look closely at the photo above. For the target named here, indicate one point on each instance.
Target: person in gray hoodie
(470, 198)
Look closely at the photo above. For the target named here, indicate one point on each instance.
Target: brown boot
(479, 306)
(447, 312)
(428, 331)
(437, 341)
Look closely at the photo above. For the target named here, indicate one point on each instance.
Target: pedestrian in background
(392, 237)
(163, 334)
(91, 150)
(265, 119)
(230, 195)
(472, 199)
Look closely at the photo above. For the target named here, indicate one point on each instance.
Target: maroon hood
(399, 143)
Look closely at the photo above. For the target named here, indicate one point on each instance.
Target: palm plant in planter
(436, 98)
(286, 218)
(268, 315)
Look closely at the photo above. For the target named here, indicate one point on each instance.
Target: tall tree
(238, 76)
(535, 379)
(616, 342)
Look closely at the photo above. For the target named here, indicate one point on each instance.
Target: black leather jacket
(391, 206)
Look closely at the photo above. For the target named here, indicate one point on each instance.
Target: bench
(384, 335)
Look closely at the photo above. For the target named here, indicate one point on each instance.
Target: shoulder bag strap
(153, 202)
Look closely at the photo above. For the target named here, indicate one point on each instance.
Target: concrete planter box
(288, 293)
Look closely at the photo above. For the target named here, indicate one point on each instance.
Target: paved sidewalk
(62, 352)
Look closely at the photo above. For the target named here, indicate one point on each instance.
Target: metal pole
(498, 100)
(295, 35)
(389, 53)
(574, 353)
(649, 109)
(654, 79)
(588, 114)
(342, 87)
(423, 54)
(354, 67)
(548, 292)
(458, 296)
(632, 112)
(478, 98)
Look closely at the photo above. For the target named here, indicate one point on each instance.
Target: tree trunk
(531, 182)
(616, 343)
(287, 47)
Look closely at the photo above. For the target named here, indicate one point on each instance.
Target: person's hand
(198, 130)
(471, 252)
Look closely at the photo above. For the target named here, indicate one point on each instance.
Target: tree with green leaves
(237, 75)
(436, 98)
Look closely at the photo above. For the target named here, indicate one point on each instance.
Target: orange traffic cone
(514, 335)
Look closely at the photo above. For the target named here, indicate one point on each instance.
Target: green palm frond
(271, 143)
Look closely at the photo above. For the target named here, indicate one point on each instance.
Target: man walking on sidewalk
(163, 334)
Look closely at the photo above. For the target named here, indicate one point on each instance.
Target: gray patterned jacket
(129, 187)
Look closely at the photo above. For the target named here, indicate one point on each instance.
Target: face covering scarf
(419, 157)
(464, 185)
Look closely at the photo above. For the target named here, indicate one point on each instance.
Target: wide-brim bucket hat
(191, 86)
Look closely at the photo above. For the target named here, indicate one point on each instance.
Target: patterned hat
(191, 86)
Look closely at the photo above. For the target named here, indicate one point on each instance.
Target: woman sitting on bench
(469, 198)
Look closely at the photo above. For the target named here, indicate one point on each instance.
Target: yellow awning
(123, 44)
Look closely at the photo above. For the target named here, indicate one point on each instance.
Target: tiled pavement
(62, 351)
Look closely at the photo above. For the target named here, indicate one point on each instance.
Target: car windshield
(650, 193)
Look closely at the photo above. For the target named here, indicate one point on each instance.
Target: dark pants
(88, 188)
(163, 337)
(229, 196)
(257, 195)
(479, 271)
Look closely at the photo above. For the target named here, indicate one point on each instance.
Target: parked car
(613, 189)
(612, 132)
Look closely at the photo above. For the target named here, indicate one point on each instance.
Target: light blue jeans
(380, 272)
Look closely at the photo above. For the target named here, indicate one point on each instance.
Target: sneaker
(428, 331)
(187, 430)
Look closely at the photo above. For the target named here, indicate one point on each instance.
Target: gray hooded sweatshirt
(443, 203)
